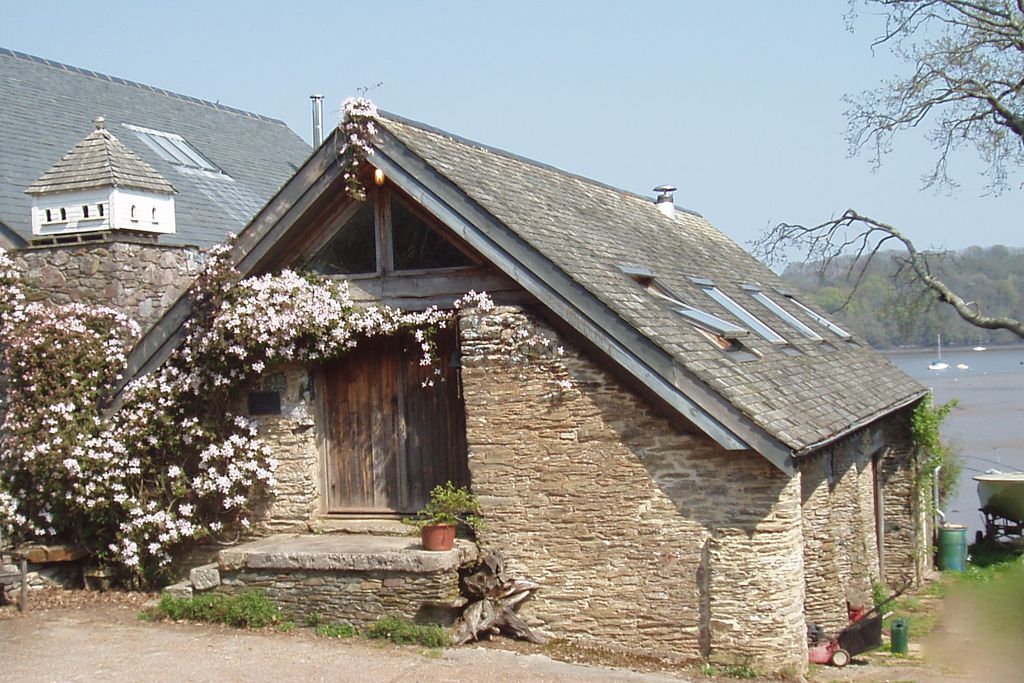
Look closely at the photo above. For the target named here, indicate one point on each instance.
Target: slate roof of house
(590, 231)
(100, 160)
(47, 107)
(567, 241)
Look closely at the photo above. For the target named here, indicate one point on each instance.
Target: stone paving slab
(345, 552)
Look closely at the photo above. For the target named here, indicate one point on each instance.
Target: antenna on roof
(665, 200)
(318, 119)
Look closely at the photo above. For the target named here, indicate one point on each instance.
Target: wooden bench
(39, 554)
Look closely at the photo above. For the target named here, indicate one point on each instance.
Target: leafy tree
(966, 87)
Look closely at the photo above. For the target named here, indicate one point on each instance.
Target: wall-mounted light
(378, 177)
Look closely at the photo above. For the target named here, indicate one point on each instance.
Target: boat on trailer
(1002, 503)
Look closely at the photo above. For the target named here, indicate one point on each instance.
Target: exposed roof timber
(619, 340)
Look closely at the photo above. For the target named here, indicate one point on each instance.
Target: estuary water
(987, 428)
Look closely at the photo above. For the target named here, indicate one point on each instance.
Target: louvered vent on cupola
(101, 185)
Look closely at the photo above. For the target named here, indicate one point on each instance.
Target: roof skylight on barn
(763, 299)
(817, 317)
(719, 332)
(173, 148)
(748, 318)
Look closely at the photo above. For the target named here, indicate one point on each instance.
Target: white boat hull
(1002, 494)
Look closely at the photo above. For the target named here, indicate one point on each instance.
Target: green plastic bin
(952, 555)
(899, 635)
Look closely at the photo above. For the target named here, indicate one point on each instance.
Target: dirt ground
(79, 636)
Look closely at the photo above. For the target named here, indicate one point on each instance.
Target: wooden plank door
(390, 435)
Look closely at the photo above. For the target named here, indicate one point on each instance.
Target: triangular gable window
(353, 249)
(417, 246)
(384, 235)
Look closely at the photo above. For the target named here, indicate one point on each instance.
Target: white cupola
(101, 185)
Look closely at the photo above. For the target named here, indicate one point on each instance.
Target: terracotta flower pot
(438, 536)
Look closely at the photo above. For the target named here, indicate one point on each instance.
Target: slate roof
(589, 231)
(566, 240)
(100, 160)
(47, 107)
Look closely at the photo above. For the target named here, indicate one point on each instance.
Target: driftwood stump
(495, 598)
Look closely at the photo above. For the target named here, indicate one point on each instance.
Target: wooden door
(391, 434)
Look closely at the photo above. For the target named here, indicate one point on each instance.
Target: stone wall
(643, 537)
(839, 528)
(139, 279)
(358, 598)
(293, 438)
(906, 506)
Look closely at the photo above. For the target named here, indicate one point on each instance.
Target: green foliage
(405, 632)
(889, 311)
(247, 609)
(879, 593)
(742, 671)
(313, 619)
(450, 504)
(336, 630)
(925, 429)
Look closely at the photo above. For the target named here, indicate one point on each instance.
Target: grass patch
(248, 609)
(742, 671)
(336, 630)
(405, 632)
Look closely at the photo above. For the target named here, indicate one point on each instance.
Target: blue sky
(738, 104)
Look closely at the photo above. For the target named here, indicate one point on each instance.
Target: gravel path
(105, 640)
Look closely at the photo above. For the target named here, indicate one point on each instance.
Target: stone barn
(691, 461)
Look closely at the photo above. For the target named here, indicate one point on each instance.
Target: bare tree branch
(826, 242)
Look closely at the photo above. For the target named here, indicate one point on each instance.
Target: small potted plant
(449, 505)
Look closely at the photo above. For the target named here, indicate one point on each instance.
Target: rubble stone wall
(141, 280)
(840, 526)
(907, 510)
(643, 537)
(293, 437)
(356, 598)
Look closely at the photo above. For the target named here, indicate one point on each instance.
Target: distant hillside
(889, 313)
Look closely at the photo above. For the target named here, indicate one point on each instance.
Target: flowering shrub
(174, 463)
(356, 128)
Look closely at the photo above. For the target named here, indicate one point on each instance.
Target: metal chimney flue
(318, 119)
(665, 201)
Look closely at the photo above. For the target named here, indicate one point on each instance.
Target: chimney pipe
(665, 201)
(318, 119)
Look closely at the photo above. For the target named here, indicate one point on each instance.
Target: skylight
(711, 322)
(719, 332)
(743, 314)
(782, 313)
(173, 148)
(820, 319)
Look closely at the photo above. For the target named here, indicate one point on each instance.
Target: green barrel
(899, 633)
(952, 547)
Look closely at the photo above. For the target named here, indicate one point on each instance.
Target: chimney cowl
(665, 200)
(318, 119)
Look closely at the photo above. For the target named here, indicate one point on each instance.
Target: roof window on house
(759, 296)
(743, 314)
(719, 332)
(173, 148)
(818, 318)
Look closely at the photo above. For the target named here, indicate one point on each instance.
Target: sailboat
(980, 346)
(938, 363)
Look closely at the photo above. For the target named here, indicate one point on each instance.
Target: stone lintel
(343, 552)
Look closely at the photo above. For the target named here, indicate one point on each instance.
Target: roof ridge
(142, 86)
(518, 157)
